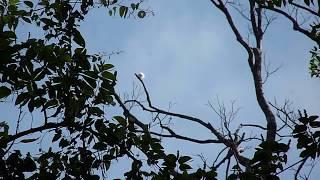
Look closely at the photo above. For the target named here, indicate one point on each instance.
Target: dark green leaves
(77, 37)
(100, 146)
(307, 133)
(141, 14)
(184, 159)
(57, 135)
(13, 2)
(300, 128)
(121, 120)
(29, 140)
(4, 130)
(29, 4)
(307, 2)
(108, 75)
(53, 73)
(107, 66)
(184, 167)
(277, 2)
(28, 20)
(170, 161)
(314, 65)
(4, 92)
(123, 10)
(96, 111)
(269, 158)
(9, 34)
(22, 98)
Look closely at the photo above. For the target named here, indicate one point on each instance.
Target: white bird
(141, 75)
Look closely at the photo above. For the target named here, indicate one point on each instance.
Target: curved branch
(127, 113)
(299, 168)
(223, 8)
(253, 125)
(228, 142)
(182, 116)
(33, 130)
(228, 156)
(254, 60)
(207, 141)
(304, 8)
(295, 24)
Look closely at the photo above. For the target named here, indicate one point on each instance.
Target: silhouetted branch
(33, 130)
(228, 156)
(299, 168)
(294, 22)
(174, 135)
(253, 125)
(220, 137)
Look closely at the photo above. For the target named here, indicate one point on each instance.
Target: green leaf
(5, 127)
(22, 97)
(184, 167)
(309, 152)
(95, 111)
(133, 6)
(29, 165)
(304, 120)
(107, 164)
(96, 164)
(26, 19)
(123, 11)
(108, 75)
(9, 34)
(137, 5)
(312, 118)
(31, 105)
(184, 159)
(63, 143)
(141, 14)
(77, 38)
(316, 134)
(307, 2)
(100, 146)
(121, 120)
(47, 21)
(107, 66)
(29, 140)
(57, 136)
(51, 104)
(211, 174)
(13, 2)
(4, 92)
(299, 128)
(315, 124)
(28, 3)
(170, 160)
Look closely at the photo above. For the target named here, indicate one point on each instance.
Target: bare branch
(228, 142)
(294, 22)
(299, 168)
(174, 135)
(253, 125)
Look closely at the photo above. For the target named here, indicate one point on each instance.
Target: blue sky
(189, 56)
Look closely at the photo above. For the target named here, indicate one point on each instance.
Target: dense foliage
(55, 75)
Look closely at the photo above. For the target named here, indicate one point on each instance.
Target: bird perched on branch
(141, 75)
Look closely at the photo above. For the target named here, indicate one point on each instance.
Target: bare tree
(276, 118)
